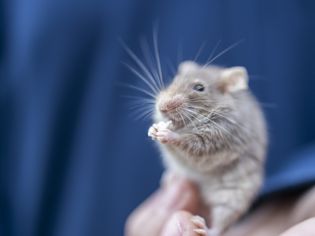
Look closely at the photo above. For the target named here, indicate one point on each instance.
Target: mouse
(211, 129)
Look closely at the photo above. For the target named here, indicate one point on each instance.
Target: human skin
(169, 210)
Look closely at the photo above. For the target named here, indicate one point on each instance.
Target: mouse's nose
(170, 105)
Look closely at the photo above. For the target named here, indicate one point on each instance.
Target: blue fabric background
(72, 159)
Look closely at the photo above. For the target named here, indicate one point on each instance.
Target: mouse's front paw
(162, 133)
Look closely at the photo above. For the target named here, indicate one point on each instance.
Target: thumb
(150, 217)
(180, 224)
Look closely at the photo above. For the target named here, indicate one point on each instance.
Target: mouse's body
(211, 130)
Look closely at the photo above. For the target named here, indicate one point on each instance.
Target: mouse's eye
(199, 87)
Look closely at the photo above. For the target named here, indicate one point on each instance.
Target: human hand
(284, 215)
(167, 212)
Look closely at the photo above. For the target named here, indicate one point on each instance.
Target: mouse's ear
(233, 79)
(187, 67)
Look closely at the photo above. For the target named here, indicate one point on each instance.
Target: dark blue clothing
(73, 161)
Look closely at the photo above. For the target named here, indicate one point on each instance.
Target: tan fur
(220, 143)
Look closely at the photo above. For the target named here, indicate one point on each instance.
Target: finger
(149, 218)
(180, 224)
(306, 228)
(268, 219)
(304, 207)
(136, 218)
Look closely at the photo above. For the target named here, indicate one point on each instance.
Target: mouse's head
(197, 90)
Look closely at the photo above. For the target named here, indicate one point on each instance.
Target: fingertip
(180, 224)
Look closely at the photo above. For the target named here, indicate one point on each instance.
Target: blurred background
(73, 161)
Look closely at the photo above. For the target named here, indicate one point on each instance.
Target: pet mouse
(211, 130)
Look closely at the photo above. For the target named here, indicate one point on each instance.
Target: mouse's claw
(161, 132)
(152, 132)
(165, 135)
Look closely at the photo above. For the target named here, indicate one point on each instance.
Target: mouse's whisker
(137, 104)
(199, 51)
(229, 119)
(157, 57)
(154, 88)
(150, 81)
(193, 117)
(203, 101)
(213, 51)
(188, 116)
(220, 127)
(140, 106)
(143, 114)
(152, 65)
(201, 118)
(223, 52)
(150, 94)
(197, 100)
(200, 108)
(208, 119)
(139, 98)
(201, 111)
(183, 119)
(193, 114)
(224, 117)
